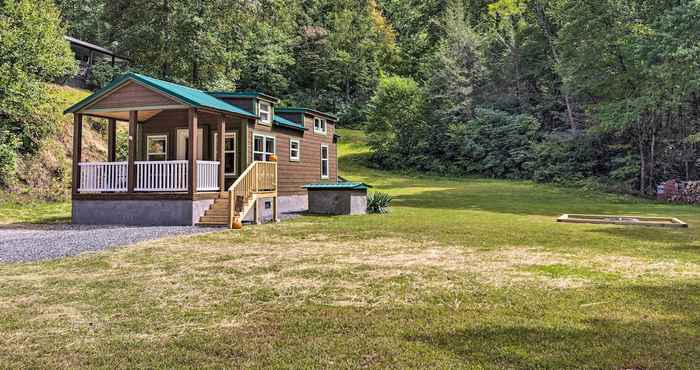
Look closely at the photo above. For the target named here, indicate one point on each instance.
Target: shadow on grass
(524, 198)
(668, 339)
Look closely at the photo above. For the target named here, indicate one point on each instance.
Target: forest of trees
(603, 93)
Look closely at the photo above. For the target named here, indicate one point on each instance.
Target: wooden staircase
(259, 180)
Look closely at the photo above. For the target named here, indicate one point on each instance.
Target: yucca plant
(378, 202)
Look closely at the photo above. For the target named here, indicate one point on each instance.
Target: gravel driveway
(42, 242)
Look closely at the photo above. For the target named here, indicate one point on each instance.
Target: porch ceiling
(143, 115)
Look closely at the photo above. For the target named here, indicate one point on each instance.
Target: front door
(183, 141)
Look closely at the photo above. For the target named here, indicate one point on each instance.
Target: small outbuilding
(340, 198)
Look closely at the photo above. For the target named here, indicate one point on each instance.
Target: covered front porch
(176, 144)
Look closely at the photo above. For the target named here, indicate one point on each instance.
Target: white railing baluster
(98, 177)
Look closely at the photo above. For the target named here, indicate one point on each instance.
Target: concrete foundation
(286, 204)
(139, 212)
(337, 201)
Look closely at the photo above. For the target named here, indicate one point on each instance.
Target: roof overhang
(176, 101)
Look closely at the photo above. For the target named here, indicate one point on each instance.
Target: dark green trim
(338, 186)
(283, 122)
(244, 94)
(306, 110)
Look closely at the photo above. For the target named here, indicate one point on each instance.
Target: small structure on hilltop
(88, 55)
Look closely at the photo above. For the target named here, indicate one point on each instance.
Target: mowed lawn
(462, 273)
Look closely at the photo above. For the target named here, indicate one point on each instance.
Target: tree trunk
(542, 18)
(642, 168)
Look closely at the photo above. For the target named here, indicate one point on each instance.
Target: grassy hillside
(462, 273)
(45, 176)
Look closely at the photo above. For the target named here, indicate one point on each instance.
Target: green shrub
(494, 144)
(8, 157)
(102, 73)
(396, 125)
(565, 158)
(378, 202)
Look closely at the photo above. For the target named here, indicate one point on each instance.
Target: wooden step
(219, 219)
(207, 223)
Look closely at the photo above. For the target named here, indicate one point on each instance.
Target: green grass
(462, 273)
(35, 212)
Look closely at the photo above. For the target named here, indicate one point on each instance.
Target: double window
(264, 110)
(294, 150)
(324, 161)
(229, 152)
(319, 125)
(157, 147)
(263, 147)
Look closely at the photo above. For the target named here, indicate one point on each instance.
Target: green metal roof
(338, 186)
(283, 122)
(243, 94)
(305, 110)
(190, 96)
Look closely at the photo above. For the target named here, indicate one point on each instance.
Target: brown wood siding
(169, 121)
(292, 176)
(133, 95)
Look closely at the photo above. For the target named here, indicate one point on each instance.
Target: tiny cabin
(196, 157)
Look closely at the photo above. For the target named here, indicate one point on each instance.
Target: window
(263, 147)
(264, 109)
(229, 152)
(324, 161)
(320, 125)
(157, 147)
(294, 150)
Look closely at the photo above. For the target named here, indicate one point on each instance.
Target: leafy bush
(565, 158)
(494, 143)
(378, 202)
(396, 124)
(8, 157)
(102, 73)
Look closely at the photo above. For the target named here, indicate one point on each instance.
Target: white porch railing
(99, 177)
(207, 175)
(151, 176)
(156, 176)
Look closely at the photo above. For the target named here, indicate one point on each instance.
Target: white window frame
(268, 112)
(322, 127)
(327, 162)
(235, 154)
(148, 147)
(265, 151)
(294, 158)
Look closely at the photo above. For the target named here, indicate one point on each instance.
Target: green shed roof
(305, 110)
(191, 96)
(283, 122)
(338, 186)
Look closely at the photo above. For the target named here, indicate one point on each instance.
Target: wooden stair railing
(258, 178)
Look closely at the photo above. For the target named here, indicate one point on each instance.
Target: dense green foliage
(554, 90)
(32, 51)
(603, 91)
